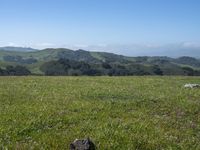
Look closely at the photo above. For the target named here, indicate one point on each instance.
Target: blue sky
(82, 23)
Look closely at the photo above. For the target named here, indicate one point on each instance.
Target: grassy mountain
(33, 60)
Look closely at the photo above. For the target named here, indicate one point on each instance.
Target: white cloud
(45, 44)
(12, 44)
(81, 45)
(191, 44)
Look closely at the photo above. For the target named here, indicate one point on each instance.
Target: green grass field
(115, 112)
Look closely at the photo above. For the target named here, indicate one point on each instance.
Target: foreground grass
(115, 112)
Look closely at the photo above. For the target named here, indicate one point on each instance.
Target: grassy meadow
(117, 113)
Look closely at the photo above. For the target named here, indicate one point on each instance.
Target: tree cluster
(14, 71)
(65, 67)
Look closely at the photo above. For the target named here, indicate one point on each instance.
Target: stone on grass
(192, 85)
(84, 144)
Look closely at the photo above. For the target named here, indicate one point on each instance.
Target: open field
(115, 112)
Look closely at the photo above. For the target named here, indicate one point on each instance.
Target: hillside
(33, 60)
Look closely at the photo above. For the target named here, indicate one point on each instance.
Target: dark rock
(85, 144)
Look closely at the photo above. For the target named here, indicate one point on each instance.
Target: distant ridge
(19, 49)
(33, 59)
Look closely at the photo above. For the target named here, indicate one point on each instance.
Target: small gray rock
(85, 144)
(192, 85)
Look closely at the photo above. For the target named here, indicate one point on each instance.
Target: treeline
(14, 71)
(19, 59)
(65, 67)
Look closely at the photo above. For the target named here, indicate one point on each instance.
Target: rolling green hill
(33, 60)
(54, 54)
(21, 49)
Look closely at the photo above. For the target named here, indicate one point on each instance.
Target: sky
(97, 24)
